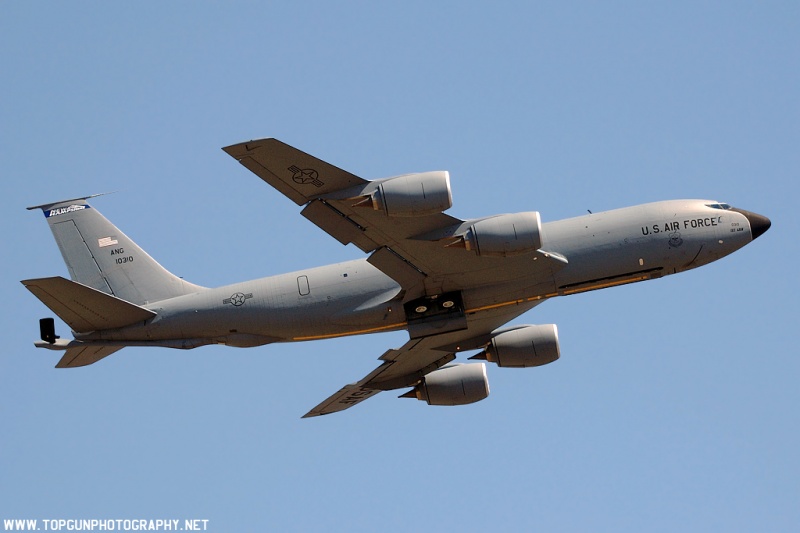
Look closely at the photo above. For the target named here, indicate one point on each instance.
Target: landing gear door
(432, 315)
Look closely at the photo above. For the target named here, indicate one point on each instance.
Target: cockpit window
(719, 206)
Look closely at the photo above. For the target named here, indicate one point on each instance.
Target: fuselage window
(302, 285)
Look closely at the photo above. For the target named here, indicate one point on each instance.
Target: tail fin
(100, 256)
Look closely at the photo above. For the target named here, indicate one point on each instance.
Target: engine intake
(455, 384)
(504, 235)
(412, 195)
(524, 347)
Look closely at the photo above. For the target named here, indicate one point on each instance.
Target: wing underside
(406, 366)
(416, 251)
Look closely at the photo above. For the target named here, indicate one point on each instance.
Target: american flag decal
(107, 241)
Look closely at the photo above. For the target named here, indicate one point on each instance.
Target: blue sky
(674, 404)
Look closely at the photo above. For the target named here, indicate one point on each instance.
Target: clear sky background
(674, 406)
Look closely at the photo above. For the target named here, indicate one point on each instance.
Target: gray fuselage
(601, 250)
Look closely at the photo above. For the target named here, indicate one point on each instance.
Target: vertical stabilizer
(100, 256)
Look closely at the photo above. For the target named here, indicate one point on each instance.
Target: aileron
(338, 225)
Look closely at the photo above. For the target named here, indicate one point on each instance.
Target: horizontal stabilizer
(85, 355)
(85, 309)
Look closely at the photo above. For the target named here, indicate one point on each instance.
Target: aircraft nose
(759, 224)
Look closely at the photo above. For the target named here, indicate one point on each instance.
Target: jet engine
(504, 235)
(412, 195)
(523, 347)
(455, 384)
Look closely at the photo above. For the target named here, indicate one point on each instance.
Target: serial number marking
(121, 260)
(356, 396)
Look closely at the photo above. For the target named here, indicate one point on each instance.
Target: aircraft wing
(407, 365)
(403, 367)
(416, 251)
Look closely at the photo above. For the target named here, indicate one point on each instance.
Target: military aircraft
(452, 284)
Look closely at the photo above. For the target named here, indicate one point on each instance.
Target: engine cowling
(456, 384)
(504, 235)
(414, 195)
(525, 347)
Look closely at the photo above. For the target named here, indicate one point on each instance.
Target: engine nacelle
(524, 347)
(455, 384)
(414, 195)
(504, 235)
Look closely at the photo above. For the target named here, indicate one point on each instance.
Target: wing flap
(338, 225)
(406, 366)
(397, 267)
(83, 308)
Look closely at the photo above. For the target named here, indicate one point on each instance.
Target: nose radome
(759, 224)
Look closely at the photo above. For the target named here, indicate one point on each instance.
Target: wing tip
(241, 149)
